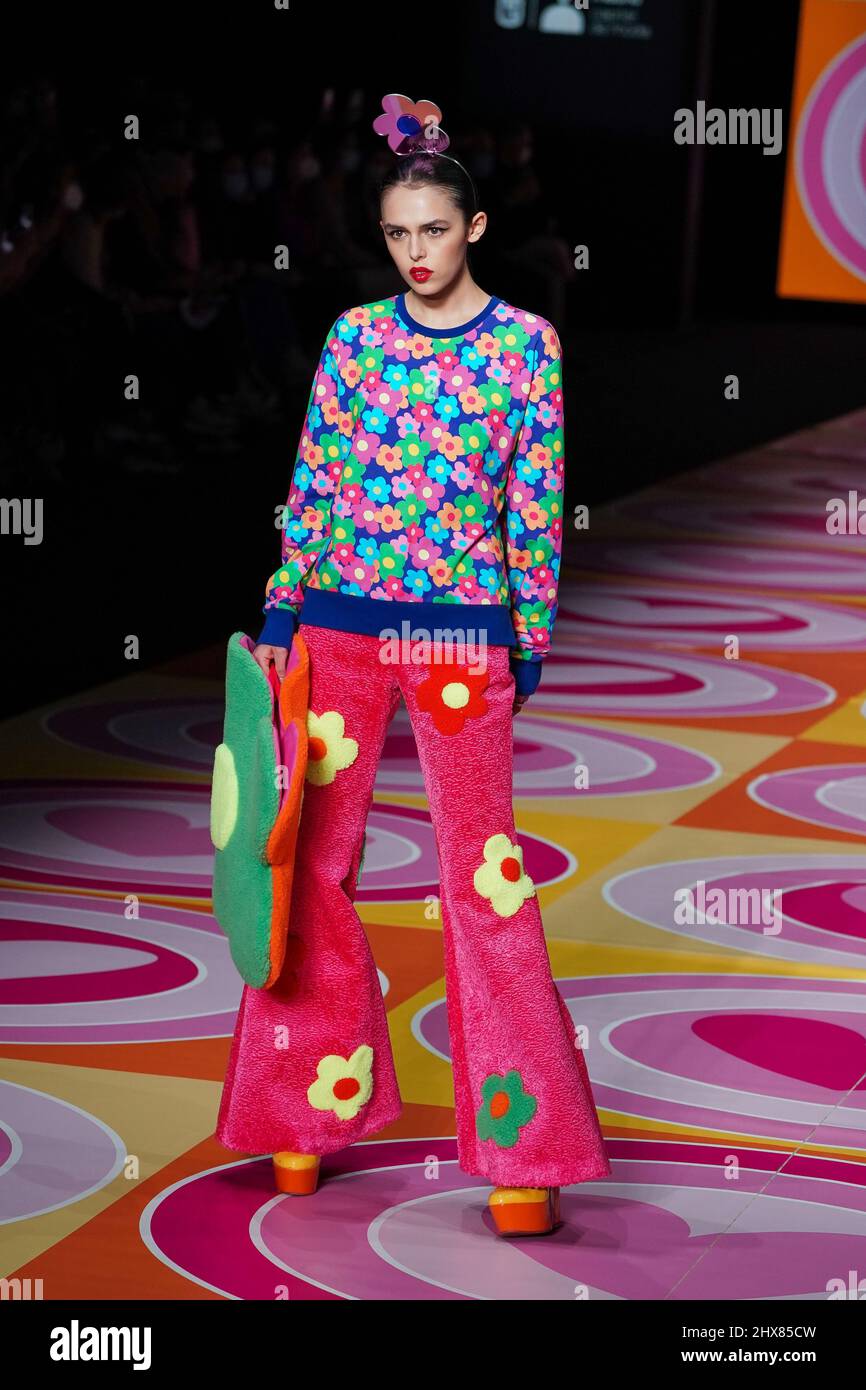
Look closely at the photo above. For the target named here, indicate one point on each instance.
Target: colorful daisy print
(502, 878)
(507, 1106)
(431, 468)
(343, 1084)
(328, 750)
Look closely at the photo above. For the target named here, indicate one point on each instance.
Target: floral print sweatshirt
(429, 473)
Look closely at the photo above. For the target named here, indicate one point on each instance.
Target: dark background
(165, 530)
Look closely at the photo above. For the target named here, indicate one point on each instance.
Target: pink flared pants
(311, 1067)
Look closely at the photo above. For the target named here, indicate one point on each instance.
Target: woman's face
(425, 231)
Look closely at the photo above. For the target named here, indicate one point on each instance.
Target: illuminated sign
(609, 19)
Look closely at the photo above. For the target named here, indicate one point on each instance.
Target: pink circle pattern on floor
(52, 1154)
(832, 795)
(177, 735)
(129, 837)
(751, 1054)
(155, 839)
(613, 681)
(818, 478)
(793, 519)
(644, 614)
(758, 1064)
(669, 1222)
(841, 448)
(547, 752)
(84, 973)
(705, 564)
(820, 900)
(544, 752)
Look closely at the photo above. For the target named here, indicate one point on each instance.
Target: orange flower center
(346, 1087)
(316, 749)
(499, 1104)
(510, 868)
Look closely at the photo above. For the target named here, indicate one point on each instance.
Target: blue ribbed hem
(355, 613)
(352, 613)
(279, 629)
(527, 674)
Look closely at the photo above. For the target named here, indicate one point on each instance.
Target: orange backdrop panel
(822, 255)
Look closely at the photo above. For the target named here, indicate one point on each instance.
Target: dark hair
(416, 170)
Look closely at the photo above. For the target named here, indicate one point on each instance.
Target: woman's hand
(519, 702)
(264, 655)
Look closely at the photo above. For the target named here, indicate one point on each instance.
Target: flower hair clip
(412, 127)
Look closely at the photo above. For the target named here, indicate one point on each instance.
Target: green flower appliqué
(506, 1108)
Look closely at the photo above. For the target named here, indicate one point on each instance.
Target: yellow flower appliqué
(502, 877)
(328, 752)
(344, 1084)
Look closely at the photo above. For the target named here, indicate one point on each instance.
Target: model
(420, 558)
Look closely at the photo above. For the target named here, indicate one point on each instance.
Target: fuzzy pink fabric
(510, 1030)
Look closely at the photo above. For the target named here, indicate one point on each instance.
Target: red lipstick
(420, 273)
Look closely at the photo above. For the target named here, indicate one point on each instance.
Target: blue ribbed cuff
(526, 674)
(279, 629)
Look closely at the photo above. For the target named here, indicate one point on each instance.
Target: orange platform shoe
(525, 1211)
(297, 1174)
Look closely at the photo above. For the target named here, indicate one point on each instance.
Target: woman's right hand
(264, 655)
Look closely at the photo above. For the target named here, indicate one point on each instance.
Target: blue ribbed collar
(400, 305)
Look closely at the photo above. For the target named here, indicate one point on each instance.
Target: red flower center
(316, 749)
(346, 1087)
(499, 1104)
(510, 868)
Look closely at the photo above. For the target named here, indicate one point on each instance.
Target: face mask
(73, 196)
(235, 185)
(309, 168)
(263, 177)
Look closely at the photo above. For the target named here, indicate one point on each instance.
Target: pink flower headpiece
(412, 127)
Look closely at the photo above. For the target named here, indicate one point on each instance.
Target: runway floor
(709, 672)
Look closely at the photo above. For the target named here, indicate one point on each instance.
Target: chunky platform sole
(297, 1174)
(525, 1211)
